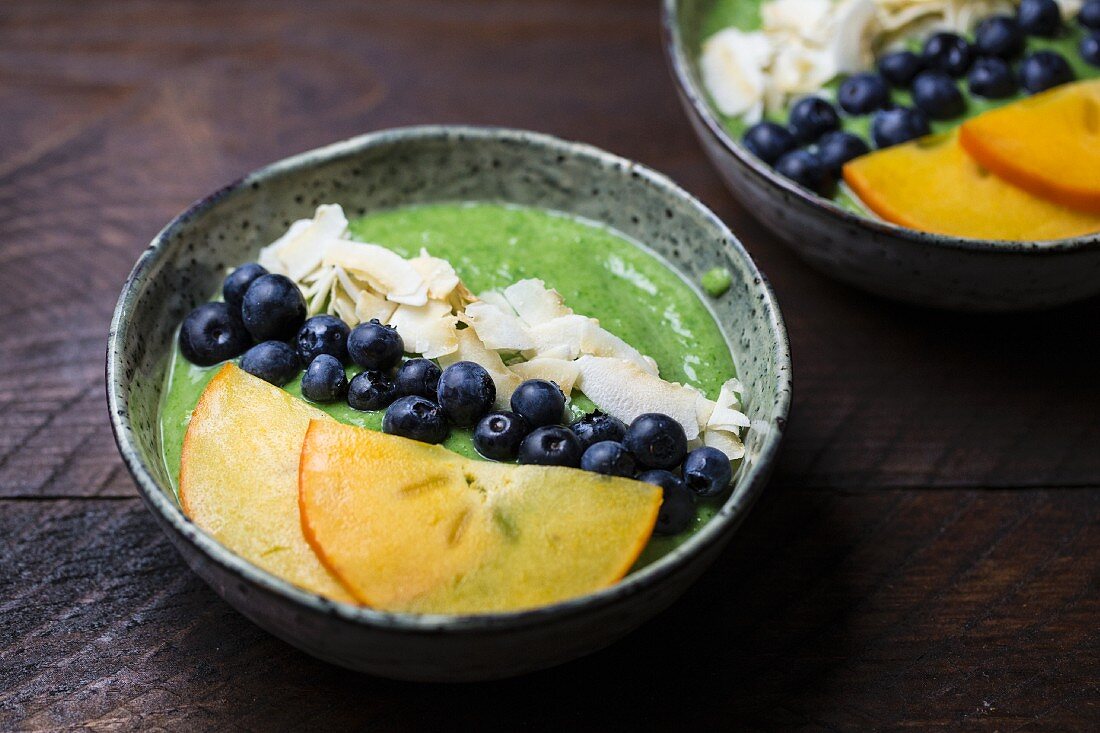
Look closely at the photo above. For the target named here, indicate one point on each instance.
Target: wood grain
(927, 556)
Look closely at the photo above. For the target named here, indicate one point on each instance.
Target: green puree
(599, 272)
(745, 15)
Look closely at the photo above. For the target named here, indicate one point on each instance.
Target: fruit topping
(415, 418)
(611, 459)
(325, 379)
(947, 52)
(768, 141)
(1089, 15)
(271, 361)
(707, 471)
(211, 333)
(863, 93)
(539, 402)
(900, 67)
(323, 334)
(418, 377)
(805, 169)
(991, 78)
(1089, 48)
(935, 94)
(1044, 69)
(1039, 17)
(656, 440)
(677, 502)
(1000, 36)
(897, 126)
(412, 527)
(373, 345)
(371, 390)
(239, 476)
(550, 445)
(498, 435)
(236, 283)
(273, 308)
(465, 393)
(812, 117)
(837, 148)
(596, 427)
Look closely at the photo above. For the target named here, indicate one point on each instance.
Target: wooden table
(927, 555)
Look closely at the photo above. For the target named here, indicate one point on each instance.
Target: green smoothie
(599, 272)
(745, 15)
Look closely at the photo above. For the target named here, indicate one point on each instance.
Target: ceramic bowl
(899, 263)
(186, 261)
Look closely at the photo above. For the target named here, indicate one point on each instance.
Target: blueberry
(900, 67)
(1089, 15)
(861, 94)
(677, 504)
(804, 168)
(707, 471)
(1039, 17)
(465, 392)
(272, 361)
(948, 52)
(211, 333)
(656, 440)
(371, 390)
(416, 418)
(609, 458)
(498, 435)
(991, 78)
(768, 141)
(539, 402)
(325, 380)
(837, 148)
(1090, 48)
(812, 117)
(273, 308)
(322, 334)
(236, 283)
(1043, 70)
(551, 445)
(598, 426)
(936, 94)
(419, 377)
(898, 125)
(374, 346)
(1000, 36)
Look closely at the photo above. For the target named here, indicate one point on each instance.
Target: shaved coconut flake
(302, 249)
(470, 348)
(428, 330)
(726, 442)
(370, 306)
(342, 305)
(535, 303)
(561, 372)
(570, 332)
(269, 255)
(437, 273)
(733, 67)
(495, 297)
(385, 271)
(623, 389)
(557, 352)
(319, 293)
(498, 330)
(598, 341)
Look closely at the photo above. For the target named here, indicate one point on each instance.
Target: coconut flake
(726, 442)
(625, 390)
(470, 348)
(437, 273)
(569, 332)
(385, 271)
(733, 67)
(561, 372)
(370, 305)
(428, 330)
(535, 303)
(302, 249)
(498, 329)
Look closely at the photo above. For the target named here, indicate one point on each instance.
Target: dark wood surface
(927, 557)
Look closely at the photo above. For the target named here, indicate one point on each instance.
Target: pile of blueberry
(263, 317)
(811, 149)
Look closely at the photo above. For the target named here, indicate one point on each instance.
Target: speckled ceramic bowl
(900, 263)
(186, 262)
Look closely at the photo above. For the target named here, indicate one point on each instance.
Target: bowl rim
(680, 65)
(725, 520)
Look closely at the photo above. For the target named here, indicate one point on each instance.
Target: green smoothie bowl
(618, 242)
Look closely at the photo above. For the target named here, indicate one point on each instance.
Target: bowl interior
(187, 260)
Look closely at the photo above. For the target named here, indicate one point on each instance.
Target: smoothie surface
(599, 272)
